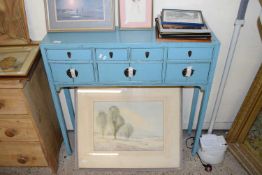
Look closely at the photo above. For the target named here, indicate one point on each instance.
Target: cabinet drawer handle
(111, 54)
(188, 72)
(147, 54)
(130, 72)
(2, 105)
(189, 53)
(22, 159)
(10, 132)
(72, 73)
(69, 54)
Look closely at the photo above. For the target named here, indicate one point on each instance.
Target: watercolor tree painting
(128, 126)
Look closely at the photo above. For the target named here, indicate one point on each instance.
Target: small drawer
(195, 73)
(110, 73)
(190, 53)
(111, 54)
(147, 54)
(149, 72)
(17, 130)
(12, 101)
(21, 154)
(72, 73)
(83, 55)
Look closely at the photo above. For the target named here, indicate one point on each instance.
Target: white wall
(220, 15)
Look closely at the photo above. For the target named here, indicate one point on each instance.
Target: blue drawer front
(147, 54)
(83, 55)
(151, 72)
(111, 54)
(112, 73)
(189, 53)
(84, 73)
(200, 73)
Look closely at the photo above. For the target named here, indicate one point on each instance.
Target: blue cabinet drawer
(70, 54)
(147, 72)
(111, 54)
(179, 73)
(190, 53)
(72, 73)
(109, 73)
(147, 54)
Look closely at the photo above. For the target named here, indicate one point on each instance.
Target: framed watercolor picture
(135, 14)
(79, 15)
(128, 128)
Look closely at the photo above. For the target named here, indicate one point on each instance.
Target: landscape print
(129, 126)
(88, 10)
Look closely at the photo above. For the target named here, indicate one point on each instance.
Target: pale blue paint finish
(69, 54)
(70, 106)
(174, 72)
(147, 72)
(163, 67)
(190, 53)
(147, 54)
(193, 110)
(111, 54)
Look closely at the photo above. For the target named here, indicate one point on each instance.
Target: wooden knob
(10, 132)
(2, 105)
(22, 159)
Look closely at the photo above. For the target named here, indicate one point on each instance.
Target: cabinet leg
(70, 106)
(193, 110)
(200, 121)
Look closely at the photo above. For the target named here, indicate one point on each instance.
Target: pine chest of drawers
(29, 131)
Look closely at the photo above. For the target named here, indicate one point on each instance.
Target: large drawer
(111, 54)
(109, 73)
(190, 53)
(70, 55)
(147, 54)
(63, 73)
(12, 101)
(176, 73)
(17, 130)
(21, 154)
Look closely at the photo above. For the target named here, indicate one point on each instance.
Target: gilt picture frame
(81, 15)
(244, 136)
(135, 14)
(128, 128)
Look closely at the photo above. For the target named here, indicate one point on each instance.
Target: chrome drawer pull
(111, 54)
(69, 54)
(189, 53)
(147, 54)
(188, 72)
(72, 73)
(130, 72)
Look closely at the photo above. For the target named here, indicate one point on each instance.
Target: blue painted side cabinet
(127, 58)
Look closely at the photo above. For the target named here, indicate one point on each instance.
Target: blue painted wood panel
(112, 73)
(59, 72)
(147, 54)
(111, 54)
(147, 72)
(85, 73)
(69, 54)
(190, 53)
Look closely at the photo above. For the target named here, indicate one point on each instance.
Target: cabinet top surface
(114, 37)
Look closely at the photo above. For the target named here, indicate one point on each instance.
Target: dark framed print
(79, 15)
(135, 14)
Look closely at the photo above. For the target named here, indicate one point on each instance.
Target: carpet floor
(190, 166)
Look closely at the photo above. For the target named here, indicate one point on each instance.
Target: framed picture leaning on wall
(135, 14)
(79, 15)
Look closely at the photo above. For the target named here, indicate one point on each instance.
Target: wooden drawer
(21, 154)
(190, 53)
(62, 73)
(147, 54)
(12, 101)
(70, 55)
(17, 130)
(111, 54)
(176, 73)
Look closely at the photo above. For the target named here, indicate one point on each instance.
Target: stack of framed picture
(94, 15)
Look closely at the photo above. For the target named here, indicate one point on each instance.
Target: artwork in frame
(128, 128)
(79, 15)
(135, 14)
(17, 61)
